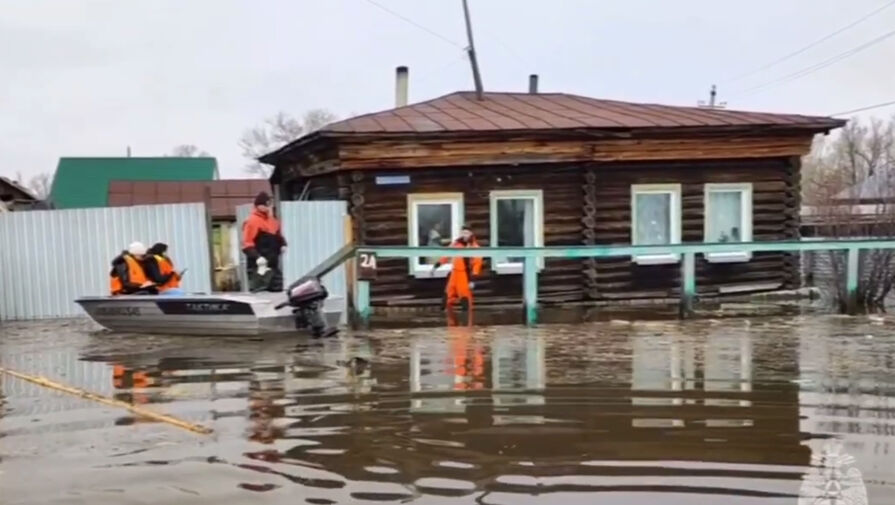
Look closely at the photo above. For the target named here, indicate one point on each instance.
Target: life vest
(135, 275)
(465, 265)
(166, 267)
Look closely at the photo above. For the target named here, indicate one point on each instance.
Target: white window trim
(413, 199)
(745, 223)
(504, 267)
(675, 191)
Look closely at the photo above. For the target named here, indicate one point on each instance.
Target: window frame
(455, 200)
(503, 267)
(674, 215)
(746, 219)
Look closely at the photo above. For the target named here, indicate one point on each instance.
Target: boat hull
(216, 314)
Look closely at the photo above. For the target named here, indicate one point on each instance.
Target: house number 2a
(366, 266)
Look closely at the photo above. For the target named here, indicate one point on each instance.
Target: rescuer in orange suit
(127, 276)
(262, 238)
(160, 269)
(459, 283)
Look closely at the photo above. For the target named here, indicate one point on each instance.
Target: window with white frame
(728, 218)
(433, 220)
(655, 219)
(517, 220)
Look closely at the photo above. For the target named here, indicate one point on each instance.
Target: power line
(813, 44)
(862, 109)
(414, 23)
(819, 66)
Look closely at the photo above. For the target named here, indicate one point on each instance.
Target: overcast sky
(91, 77)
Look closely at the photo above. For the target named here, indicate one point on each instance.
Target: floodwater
(734, 411)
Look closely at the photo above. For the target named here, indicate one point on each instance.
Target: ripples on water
(698, 412)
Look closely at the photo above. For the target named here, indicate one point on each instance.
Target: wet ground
(734, 411)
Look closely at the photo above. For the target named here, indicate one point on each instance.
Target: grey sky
(90, 77)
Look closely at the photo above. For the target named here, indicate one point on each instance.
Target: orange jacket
(166, 268)
(261, 234)
(127, 275)
(464, 264)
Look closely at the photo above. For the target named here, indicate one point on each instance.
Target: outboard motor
(306, 297)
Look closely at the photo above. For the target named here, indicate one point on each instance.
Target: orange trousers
(457, 288)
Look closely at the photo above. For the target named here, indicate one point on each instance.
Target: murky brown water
(726, 411)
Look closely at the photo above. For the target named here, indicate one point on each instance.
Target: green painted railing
(530, 255)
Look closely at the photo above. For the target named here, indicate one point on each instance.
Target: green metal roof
(84, 182)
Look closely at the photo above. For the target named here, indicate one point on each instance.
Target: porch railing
(530, 255)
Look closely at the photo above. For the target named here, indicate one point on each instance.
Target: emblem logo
(832, 479)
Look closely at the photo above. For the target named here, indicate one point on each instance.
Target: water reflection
(696, 412)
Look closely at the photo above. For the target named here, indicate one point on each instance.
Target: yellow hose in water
(87, 395)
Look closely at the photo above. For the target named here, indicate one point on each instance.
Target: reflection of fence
(50, 258)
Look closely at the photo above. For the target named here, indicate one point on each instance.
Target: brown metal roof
(225, 194)
(461, 111)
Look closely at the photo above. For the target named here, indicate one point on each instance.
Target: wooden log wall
(775, 217)
(384, 221)
(584, 203)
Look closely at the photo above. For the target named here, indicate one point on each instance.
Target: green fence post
(688, 284)
(851, 280)
(530, 288)
(362, 301)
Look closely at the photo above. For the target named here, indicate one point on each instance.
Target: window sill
(728, 257)
(656, 259)
(511, 268)
(426, 272)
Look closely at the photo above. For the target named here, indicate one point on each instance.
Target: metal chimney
(401, 82)
(533, 84)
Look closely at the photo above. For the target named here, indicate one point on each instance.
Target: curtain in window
(515, 223)
(725, 216)
(653, 225)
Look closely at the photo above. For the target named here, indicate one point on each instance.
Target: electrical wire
(812, 44)
(862, 109)
(819, 66)
(414, 23)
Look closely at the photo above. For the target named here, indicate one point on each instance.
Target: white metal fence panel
(314, 231)
(50, 258)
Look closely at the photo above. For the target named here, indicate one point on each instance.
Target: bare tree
(848, 185)
(276, 132)
(188, 151)
(39, 185)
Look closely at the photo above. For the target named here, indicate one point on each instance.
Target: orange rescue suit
(135, 275)
(457, 287)
(166, 267)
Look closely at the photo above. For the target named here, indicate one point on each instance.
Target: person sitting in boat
(160, 270)
(262, 238)
(127, 276)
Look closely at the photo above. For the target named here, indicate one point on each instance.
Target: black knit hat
(262, 199)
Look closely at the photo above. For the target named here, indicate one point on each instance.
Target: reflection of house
(14, 196)
(223, 195)
(559, 169)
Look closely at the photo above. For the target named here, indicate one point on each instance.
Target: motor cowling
(305, 291)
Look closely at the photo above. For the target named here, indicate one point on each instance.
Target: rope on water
(87, 395)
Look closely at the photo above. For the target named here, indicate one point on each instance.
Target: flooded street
(735, 411)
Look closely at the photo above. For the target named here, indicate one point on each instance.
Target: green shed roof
(84, 182)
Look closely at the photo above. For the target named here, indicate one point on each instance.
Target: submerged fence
(50, 258)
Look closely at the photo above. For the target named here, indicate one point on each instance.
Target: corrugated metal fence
(50, 258)
(314, 231)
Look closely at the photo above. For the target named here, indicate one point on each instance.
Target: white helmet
(137, 249)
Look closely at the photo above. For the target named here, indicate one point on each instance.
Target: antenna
(713, 94)
(476, 75)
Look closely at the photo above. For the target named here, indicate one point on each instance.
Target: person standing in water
(262, 238)
(463, 270)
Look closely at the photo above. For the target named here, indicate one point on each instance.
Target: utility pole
(476, 75)
(713, 95)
